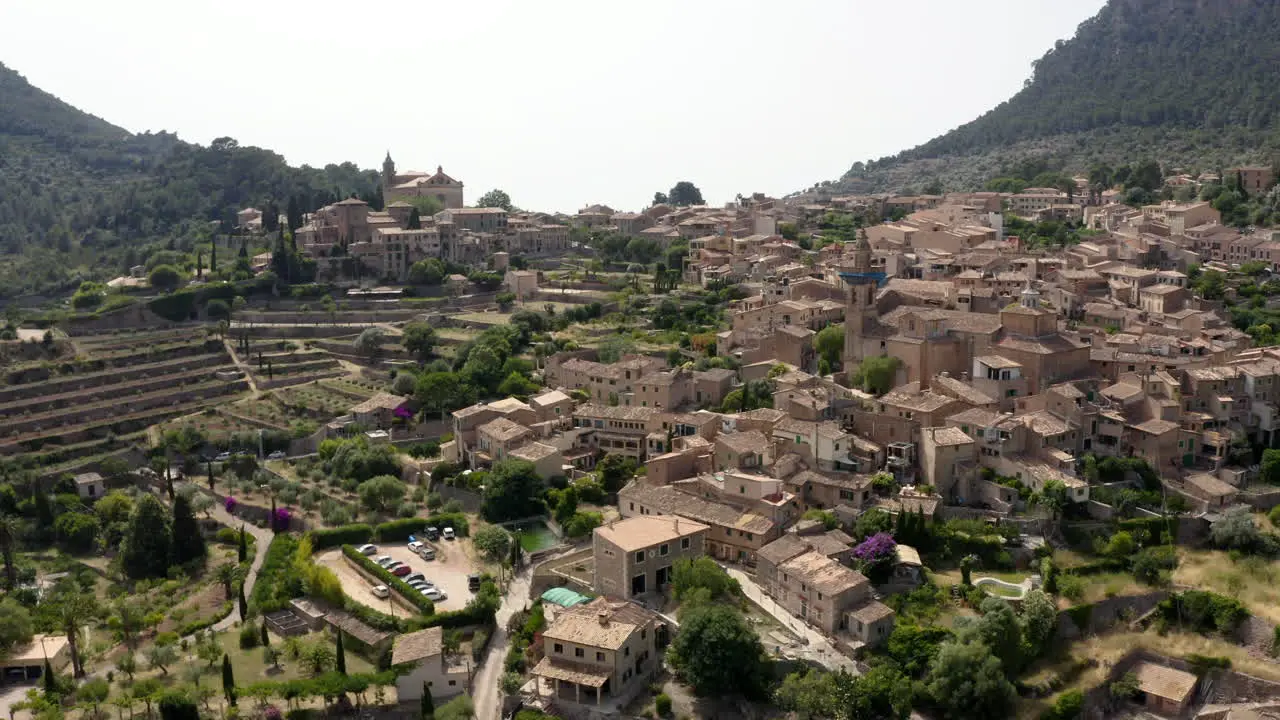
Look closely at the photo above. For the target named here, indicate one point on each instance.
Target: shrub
(276, 585)
(1202, 611)
(662, 704)
(344, 535)
(249, 636)
(1071, 586)
(1068, 706)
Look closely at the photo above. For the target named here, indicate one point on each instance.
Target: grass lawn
(1252, 580)
(1107, 649)
(483, 318)
(247, 665)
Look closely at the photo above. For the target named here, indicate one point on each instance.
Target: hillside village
(970, 455)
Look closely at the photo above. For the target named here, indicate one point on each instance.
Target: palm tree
(228, 574)
(76, 609)
(9, 531)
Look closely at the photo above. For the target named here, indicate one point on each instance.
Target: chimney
(603, 617)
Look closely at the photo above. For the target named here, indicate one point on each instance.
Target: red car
(402, 571)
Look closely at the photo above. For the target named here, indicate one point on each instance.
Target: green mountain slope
(81, 198)
(1190, 82)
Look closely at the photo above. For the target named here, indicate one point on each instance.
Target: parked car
(427, 553)
(435, 594)
(432, 532)
(473, 582)
(367, 549)
(222, 457)
(401, 570)
(277, 455)
(418, 585)
(391, 566)
(415, 576)
(381, 591)
(415, 546)
(448, 533)
(384, 560)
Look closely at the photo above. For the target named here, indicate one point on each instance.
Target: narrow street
(818, 647)
(485, 692)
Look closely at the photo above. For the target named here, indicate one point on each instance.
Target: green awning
(564, 597)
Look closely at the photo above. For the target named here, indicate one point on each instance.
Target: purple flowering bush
(281, 520)
(230, 504)
(875, 556)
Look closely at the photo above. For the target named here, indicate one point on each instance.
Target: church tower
(388, 173)
(860, 301)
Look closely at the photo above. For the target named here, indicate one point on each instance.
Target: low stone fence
(1094, 618)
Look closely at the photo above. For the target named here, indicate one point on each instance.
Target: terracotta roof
(381, 401)
(783, 549)
(670, 501)
(502, 429)
(418, 645)
(752, 441)
(534, 451)
(948, 436)
(642, 531)
(823, 573)
(599, 623)
(614, 412)
(1164, 681)
(871, 611)
(1043, 422)
(566, 671)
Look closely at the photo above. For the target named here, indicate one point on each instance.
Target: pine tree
(244, 604)
(244, 545)
(428, 704)
(187, 542)
(228, 681)
(341, 661)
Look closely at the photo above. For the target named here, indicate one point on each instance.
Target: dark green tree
(228, 681)
(341, 656)
(415, 220)
(244, 603)
(146, 549)
(717, 653)
(242, 547)
(428, 708)
(187, 541)
(685, 193)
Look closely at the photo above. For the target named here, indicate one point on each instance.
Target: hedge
(196, 626)
(276, 585)
(420, 601)
(402, 529)
(344, 535)
(1158, 527)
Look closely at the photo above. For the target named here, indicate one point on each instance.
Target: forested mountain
(1188, 82)
(81, 198)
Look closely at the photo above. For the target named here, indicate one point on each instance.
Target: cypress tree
(213, 256)
(244, 604)
(244, 545)
(145, 551)
(266, 636)
(212, 478)
(274, 526)
(187, 542)
(341, 662)
(50, 681)
(228, 681)
(428, 705)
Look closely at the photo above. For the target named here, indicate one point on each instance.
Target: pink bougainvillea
(230, 504)
(876, 548)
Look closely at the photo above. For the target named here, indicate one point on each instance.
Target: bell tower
(388, 173)
(860, 312)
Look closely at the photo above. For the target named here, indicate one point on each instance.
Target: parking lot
(448, 572)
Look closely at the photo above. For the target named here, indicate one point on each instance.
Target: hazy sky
(561, 104)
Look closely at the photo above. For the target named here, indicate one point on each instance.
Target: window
(684, 543)
(643, 632)
(599, 657)
(559, 649)
(640, 556)
(579, 652)
(452, 683)
(664, 549)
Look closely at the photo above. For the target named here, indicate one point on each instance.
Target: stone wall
(1215, 687)
(1105, 614)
